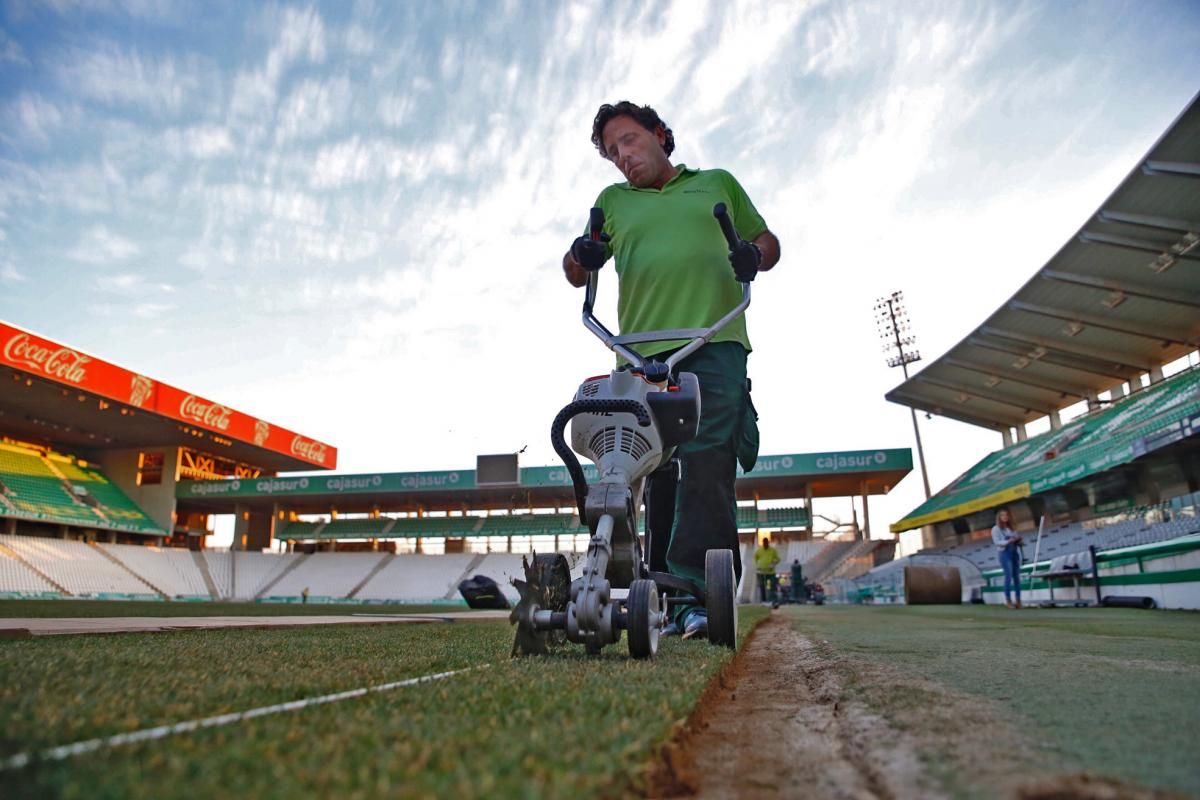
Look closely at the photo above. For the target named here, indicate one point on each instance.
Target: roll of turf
(925, 586)
(1118, 601)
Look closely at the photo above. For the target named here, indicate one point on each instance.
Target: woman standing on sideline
(1008, 542)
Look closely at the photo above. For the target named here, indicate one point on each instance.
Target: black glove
(745, 259)
(589, 252)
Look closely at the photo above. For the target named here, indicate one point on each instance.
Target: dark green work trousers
(700, 510)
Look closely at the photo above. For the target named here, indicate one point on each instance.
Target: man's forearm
(576, 274)
(769, 246)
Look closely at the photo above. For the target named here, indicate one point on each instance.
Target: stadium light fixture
(899, 347)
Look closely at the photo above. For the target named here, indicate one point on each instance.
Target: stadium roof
(69, 399)
(1165, 415)
(1119, 299)
(839, 474)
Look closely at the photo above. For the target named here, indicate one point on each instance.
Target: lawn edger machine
(629, 423)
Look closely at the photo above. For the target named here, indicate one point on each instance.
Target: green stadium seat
(113, 503)
(1087, 445)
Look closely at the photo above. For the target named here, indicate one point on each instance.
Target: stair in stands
(295, 563)
(825, 559)
(202, 565)
(841, 567)
(383, 562)
(122, 565)
(8, 551)
(69, 488)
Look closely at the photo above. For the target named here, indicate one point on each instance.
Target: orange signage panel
(46, 359)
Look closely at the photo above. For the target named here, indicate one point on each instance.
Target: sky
(349, 218)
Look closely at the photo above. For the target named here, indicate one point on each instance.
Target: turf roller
(926, 586)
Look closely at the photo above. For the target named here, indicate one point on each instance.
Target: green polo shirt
(672, 259)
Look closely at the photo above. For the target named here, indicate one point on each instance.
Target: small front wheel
(720, 590)
(644, 618)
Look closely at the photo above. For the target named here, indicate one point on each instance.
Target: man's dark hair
(645, 116)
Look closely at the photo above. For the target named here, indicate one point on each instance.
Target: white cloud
(395, 110)
(346, 162)
(99, 245)
(10, 274)
(11, 51)
(358, 40)
(119, 283)
(253, 93)
(298, 35)
(207, 141)
(199, 141)
(240, 202)
(311, 108)
(834, 43)
(131, 284)
(115, 76)
(152, 310)
(356, 161)
(750, 40)
(37, 118)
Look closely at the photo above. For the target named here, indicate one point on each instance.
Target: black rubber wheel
(643, 618)
(720, 590)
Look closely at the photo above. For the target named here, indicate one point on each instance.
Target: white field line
(148, 734)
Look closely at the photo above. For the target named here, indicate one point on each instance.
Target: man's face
(637, 152)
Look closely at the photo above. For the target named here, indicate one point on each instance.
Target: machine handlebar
(697, 337)
(596, 223)
(722, 215)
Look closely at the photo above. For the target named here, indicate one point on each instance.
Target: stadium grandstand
(414, 536)
(1100, 348)
(109, 483)
(90, 456)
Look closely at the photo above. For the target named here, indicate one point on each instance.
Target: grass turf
(535, 727)
(10, 609)
(1112, 691)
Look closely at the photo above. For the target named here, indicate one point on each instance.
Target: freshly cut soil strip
(772, 726)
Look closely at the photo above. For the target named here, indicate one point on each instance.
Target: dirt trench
(777, 724)
(772, 726)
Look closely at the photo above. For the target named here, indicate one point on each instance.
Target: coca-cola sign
(308, 449)
(61, 363)
(29, 354)
(213, 415)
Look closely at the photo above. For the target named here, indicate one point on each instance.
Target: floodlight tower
(895, 333)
